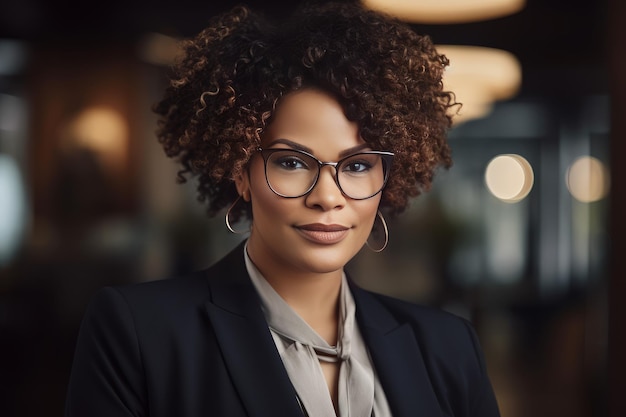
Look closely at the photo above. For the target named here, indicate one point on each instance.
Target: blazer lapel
(245, 341)
(397, 358)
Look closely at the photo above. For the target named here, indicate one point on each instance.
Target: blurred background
(515, 237)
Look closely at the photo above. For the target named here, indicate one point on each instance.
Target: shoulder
(445, 340)
(448, 346)
(181, 291)
(424, 319)
(146, 310)
(174, 303)
(170, 291)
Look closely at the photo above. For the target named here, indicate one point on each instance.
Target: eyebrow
(299, 147)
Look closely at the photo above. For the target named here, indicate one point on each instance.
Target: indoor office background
(516, 236)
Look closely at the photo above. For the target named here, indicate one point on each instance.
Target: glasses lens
(290, 173)
(362, 175)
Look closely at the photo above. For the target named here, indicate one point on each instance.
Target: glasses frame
(385, 155)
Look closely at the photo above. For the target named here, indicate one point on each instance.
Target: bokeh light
(587, 179)
(509, 177)
(102, 130)
(13, 209)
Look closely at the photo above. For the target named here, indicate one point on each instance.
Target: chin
(326, 261)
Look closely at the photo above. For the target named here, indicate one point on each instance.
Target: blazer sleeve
(484, 403)
(107, 377)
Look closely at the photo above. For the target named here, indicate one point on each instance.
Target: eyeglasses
(293, 173)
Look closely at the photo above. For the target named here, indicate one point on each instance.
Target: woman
(311, 129)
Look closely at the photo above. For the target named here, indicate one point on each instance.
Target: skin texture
(312, 119)
(306, 270)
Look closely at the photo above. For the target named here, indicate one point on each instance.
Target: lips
(325, 234)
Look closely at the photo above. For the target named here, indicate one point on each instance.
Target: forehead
(313, 119)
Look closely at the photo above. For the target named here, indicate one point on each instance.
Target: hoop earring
(386, 230)
(227, 219)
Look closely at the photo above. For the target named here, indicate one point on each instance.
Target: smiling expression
(322, 230)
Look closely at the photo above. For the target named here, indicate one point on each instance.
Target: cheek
(367, 213)
(256, 178)
(265, 203)
(374, 203)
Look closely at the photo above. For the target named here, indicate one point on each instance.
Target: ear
(242, 182)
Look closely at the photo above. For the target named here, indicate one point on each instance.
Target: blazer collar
(397, 358)
(245, 341)
(257, 369)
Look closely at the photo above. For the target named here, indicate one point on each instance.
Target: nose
(326, 194)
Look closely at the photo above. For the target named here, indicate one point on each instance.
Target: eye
(357, 167)
(290, 162)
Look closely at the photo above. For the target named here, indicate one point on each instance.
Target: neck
(310, 296)
(314, 296)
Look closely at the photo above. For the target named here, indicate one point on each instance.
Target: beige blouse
(301, 350)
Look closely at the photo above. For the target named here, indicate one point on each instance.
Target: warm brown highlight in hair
(386, 77)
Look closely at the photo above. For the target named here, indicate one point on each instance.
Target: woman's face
(322, 230)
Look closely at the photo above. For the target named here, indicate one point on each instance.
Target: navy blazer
(199, 346)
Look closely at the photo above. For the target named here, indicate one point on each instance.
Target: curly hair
(224, 90)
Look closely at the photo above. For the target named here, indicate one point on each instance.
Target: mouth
(325, 234)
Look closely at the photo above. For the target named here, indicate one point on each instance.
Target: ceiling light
(446, 11)
(479, 76)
